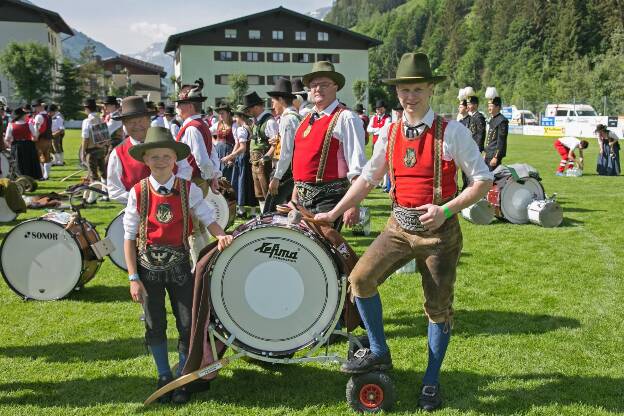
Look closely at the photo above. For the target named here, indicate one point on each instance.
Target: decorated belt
(165, 264)
(308, 192)
(408, 218)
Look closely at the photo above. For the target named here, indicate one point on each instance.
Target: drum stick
(72, 175)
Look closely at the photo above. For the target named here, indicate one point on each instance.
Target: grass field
(538, 330)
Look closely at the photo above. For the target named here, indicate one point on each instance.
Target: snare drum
(278, 288)
(510, 199)
(49, 257)
(481, 212)
(115, 232)
(546, 213)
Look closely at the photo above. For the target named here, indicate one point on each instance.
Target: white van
(565, 113)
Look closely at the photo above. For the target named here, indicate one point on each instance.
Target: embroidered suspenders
(324, 153)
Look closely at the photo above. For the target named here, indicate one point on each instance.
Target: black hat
(192, 93)
(110, 100)
(133, 106)
(170, 110)
(359, 108)
(161, 104)
(601, 127)
(52, 107)
(18, 113)
(398, 107)
(223, 106)
(282, 88)
(90, 104)
(473, 100)
(251, 99)
(37, 102)
(297, 87)
(380, 103)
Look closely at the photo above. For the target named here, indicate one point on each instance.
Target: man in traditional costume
(498, 128)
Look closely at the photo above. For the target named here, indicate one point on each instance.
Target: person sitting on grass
(157, 224)
(566, 146)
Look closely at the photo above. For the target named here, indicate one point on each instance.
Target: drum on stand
(546, 213)
(277, 289)
(510, 199)
(115, 232)
(49, 257)
(481, 213)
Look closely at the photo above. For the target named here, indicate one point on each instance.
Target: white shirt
(173, 127)
(304, 108)
(458, 146)
(116, 190)
(209, 165)
(271, 129)
(289, 121)
(92, 118)
(58, 123)
(35, 126)
(570, 142)
(375, 130)
(8, 135)
(349, 131)
(114, 125)
(198, 205)
(159, 121)
(241, 135)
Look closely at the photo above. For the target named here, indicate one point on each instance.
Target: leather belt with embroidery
(164, 264)
(408, 218)
(308, 192)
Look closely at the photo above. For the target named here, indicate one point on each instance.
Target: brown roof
(149, 67)
(52, 19)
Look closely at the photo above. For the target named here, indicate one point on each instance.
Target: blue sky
(129, 26)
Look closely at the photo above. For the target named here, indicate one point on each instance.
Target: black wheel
(27, 183)
(370, 392)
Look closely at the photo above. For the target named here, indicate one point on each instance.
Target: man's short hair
(584, 144)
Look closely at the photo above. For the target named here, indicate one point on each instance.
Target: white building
(265, 46)
(25, 22)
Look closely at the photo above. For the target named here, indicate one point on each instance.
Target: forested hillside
(533, 51)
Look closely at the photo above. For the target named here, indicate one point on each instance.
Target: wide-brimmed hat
(282, 88)
(161, 104)
(110, 100)
(414, 67)
(240, 111)
(90, 103)
(38, 102)
(18, 113)
(359, 108)
(192, 93)
(159, 138)
(324, 69)
(251, 99)
(133, 106)
(380, 103)
(297, 87)
(223, 106)
(52, 107)
(170, 110)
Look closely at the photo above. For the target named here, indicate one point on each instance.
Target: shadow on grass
(101, 294)
(302, 387)
(481, 322)
(569, 222)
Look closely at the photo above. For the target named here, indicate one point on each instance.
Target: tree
(360, 89)
(91, 71)
(69, 92)
(239, 86)
(29, 66)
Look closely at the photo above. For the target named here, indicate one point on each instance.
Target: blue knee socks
(437, 341)
(371, 313)
(182, 360)
(159, 352)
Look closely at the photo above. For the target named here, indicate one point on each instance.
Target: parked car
(565, 113)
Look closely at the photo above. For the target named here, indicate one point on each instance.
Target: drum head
(221, 208)
(481, 212)
(516, 197)
(115, 232)
(4, 166)
(548, 214)
(40, 260)
(6, 213)
(275, 289)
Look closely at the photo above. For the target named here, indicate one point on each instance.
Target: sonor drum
(49, 257)
(546, 213)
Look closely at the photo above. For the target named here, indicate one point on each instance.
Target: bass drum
(511, 199)
(115, 232)
(277, 289)
(49, 257)
(546, 213)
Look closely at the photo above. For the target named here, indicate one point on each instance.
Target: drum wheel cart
(370, 392)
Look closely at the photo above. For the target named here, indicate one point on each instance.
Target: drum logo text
(274, 250)
(41, 236)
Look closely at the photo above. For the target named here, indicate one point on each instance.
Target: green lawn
(538, 326)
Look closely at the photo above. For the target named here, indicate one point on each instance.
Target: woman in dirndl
(19, 138)
(223, 137)
(609, 156)
(238, 159)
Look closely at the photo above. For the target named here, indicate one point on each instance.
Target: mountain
(72, 46)
(154, 55)
(320, 13)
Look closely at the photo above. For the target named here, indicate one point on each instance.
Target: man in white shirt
(58, 133)
(171, 122)
(421, 152)
(159, 119)
(281, 184)
(94, 153)
(323, 177)
(41, 129)
(565, 147)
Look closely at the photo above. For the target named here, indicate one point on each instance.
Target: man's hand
(329, 217)
(494, 162)
(224, 241)
(351, 216)
(137, 290)
(214, 185)
(273, 141)
(273, 185)
(433, 218)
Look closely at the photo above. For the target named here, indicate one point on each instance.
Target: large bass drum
(49, 257)
(277, 289)
(115, 232)
(511, 198)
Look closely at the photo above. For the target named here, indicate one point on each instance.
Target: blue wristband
(133, 277)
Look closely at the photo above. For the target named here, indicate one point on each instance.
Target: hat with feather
(192, 93)
(492, 96)
(470, 95)
(462, 97)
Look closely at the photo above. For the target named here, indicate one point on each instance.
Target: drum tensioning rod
(195, 375)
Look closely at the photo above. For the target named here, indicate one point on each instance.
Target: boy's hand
(224, 241)
(136, 291)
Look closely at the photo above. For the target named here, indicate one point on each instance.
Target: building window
(300, 35)
(117, 68)
(277, 57)
(323, 36)
(226, 56)
(254, 34)
(334, 58)
(252, 56)
(230, 33)
(272, 79)
(255, 79)
(278, 34)
(222, 79)
(303, 58)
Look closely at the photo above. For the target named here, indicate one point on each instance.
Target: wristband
(133, 277)
(447, 212)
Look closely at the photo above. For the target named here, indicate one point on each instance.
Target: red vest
(225, 134)
(379, 123)
(21, 132)
(205, 132)
(132, 171)
(307, 150)
(413, 186)
(45, 130)
(164, 215)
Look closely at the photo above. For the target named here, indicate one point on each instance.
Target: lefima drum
(546, 213)
(49, 257)
(510, 198)
(115, 233)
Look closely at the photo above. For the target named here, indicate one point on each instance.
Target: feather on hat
(492, 95)
(192, 92)
(462, 94)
